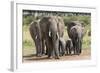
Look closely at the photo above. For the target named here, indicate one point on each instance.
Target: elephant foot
(46, 53)
(38, 55)
(78, 54)
(66, 54)
(61, 55)
(43, 54)
(75, 53)
(80, 51)
(50, 57)
(57, 58)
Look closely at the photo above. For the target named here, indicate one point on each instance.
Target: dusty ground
(86, 54)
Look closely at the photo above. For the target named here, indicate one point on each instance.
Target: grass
(86, 41)
(28, 43)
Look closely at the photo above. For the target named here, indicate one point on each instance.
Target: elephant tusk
(49, 34)
(36, 37)
(58, 35)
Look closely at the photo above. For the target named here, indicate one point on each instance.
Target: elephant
(76, 31)
(69, 47)
(36, 36)
(52, 27)
(73, 23)
(62, 45)
(65, 47)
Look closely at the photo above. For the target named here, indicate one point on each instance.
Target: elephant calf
(65, 47)
(69, 47)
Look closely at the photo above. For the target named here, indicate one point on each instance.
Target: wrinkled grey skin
(73, 23)
(52, 28)
(69, 47)
(76, 31)
(62, 45)
(36, 36)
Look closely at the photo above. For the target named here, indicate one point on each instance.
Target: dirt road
(85, 55)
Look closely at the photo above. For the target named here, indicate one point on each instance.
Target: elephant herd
(47, 33)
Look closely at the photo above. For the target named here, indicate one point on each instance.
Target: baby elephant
(65, 47)
(69, 47)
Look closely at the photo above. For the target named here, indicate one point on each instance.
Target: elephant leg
(49, 52)
(80, 50)
(37, 53)
(77, 47)
(46, 51)
(56, 51)
(74, 47)
(56, 54)
(38, 49)
(47, 47)
(43, 44)
(66, 49)
(59, 49)
(63, 52)
(69, 50)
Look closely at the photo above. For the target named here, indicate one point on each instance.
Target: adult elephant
(76, 31)
(52, 27)
(36, 36)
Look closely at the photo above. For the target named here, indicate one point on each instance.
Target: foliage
(27, 40)
(27, 20)
(85, 19)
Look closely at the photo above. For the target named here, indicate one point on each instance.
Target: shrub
(85, 19)
(27, 20)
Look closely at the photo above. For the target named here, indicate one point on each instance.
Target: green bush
(27, 20)
(85, 19)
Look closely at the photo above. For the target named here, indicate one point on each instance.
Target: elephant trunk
(55, 42)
